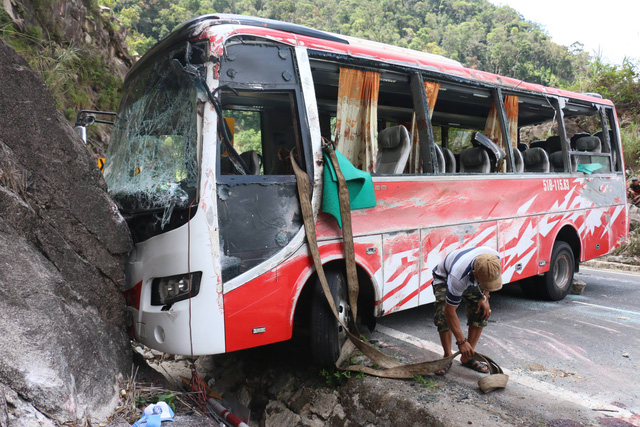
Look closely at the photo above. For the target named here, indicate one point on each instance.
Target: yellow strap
(390, 367)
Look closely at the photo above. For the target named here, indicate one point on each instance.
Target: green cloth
(589, 168)
(359, 183)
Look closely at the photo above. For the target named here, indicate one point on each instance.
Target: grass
(630, 133)
(426, 382)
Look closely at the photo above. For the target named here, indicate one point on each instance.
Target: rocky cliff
(79, 49)
(62, 248)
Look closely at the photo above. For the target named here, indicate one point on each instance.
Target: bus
(198, 165)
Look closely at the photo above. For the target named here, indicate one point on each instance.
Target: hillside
(81, 47)
(474, 32)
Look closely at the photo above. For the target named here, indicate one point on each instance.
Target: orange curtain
(415, 163)
(492, 127)
(357, 117)
(511, 107)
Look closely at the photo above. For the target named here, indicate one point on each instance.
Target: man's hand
(486, 309)
(466, 350)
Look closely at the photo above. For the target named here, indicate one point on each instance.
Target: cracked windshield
(153, 153)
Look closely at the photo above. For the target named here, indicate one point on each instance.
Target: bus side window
(466, 130)
(264, 131)
(614, 140)
(590, 151)
(538, 142)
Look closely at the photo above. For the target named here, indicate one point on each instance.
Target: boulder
(63, 245)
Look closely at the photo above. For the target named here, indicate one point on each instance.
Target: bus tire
(554, 285)
(327, 335)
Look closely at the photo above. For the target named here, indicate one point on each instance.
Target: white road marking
(604, 270)
(608, 308)
(518, 377)
(593, 325)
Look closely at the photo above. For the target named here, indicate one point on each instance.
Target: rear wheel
(554, 284)
(327, 335)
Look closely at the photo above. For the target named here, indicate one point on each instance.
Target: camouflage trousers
(471, 297)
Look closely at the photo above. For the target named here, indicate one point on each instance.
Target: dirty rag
(154, 414)
(359, 183)
(589, 168)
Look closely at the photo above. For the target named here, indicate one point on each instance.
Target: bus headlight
(167, 290)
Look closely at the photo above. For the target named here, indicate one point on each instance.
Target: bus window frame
(303, 144)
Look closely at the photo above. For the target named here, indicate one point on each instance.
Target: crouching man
(469, 275)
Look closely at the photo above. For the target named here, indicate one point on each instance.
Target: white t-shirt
(457, 270)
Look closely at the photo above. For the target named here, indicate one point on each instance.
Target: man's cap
(488, 272)
(635, 178)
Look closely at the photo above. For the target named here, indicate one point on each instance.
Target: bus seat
(535, 159)
(556, 162)
(575, 137)
(540, 143)
(475, 160)
(522, 146)
(394, 145)
(589, 143)
(449, 160)
(517, 158)
(253, 161)
(553, 144)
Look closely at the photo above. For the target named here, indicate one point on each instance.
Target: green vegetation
(75, 74)
(475, 32)
(425, 382)
(334, 377)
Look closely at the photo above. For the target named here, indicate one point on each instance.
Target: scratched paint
(401, 271)
(519, 216)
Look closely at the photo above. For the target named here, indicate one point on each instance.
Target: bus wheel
(327, 335)
(554, 284)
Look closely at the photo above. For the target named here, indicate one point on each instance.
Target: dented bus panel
(199, 166)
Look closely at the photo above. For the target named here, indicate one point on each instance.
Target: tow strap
(390, 368)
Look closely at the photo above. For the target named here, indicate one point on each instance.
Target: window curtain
(415, 162)
(357, 117)
(492, 127)
(511, 106)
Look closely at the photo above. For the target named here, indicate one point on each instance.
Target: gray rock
(577, 287)
(62, 249)
(278, 415)
(324, 404)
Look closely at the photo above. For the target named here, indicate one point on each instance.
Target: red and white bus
(199, 166)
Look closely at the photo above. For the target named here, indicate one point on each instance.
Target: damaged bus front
(199, 166)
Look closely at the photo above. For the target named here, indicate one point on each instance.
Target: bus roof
(357, 48)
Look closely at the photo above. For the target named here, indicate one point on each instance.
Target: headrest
(392, 136)
(577, 136)
(588, 143)
(534, 156)
(553, 144)
(540, 143)
(474, 156)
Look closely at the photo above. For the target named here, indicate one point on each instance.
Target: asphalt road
(571, 361)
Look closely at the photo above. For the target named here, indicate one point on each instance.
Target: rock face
(62, 248)
(82, 28)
